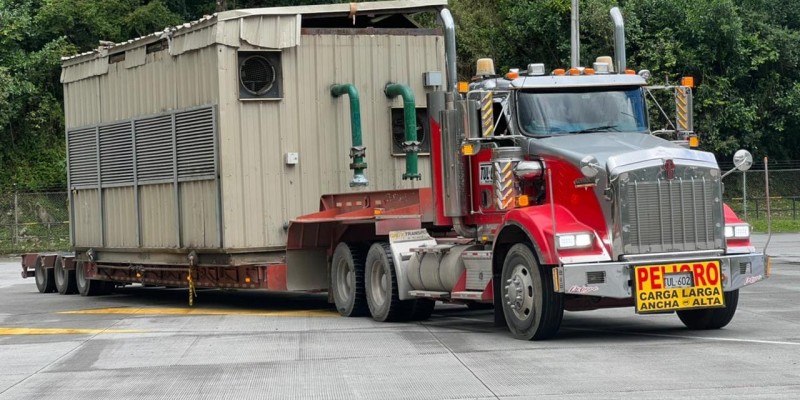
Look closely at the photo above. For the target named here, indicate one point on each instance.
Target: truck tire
(711, 318)
(45, 281)
(88, 287)
(65, 280)
(381, 286)
(533, 311)
(347, 280)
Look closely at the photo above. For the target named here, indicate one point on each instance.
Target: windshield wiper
(602, 128)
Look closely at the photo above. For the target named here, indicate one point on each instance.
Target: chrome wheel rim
(519, 293)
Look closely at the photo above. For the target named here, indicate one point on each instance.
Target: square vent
(260, 75)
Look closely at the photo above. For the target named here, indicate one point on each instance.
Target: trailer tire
(347, 276)
(711, 318)
(381, 286)
(88, 287)
(528, 288)
(45, 281)
(65, 279)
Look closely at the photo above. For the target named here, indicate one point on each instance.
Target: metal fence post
(744, 194)
(16, 217)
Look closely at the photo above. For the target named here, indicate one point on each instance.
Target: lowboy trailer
(203, 155)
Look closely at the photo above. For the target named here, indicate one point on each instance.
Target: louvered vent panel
(154, 148)
(82, 157)
(194, 131)
(116, 154)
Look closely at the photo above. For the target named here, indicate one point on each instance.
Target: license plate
(678, 286)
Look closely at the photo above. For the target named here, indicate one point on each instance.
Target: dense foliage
(744, 55)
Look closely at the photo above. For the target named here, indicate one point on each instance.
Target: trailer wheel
(88, 287)
(45, 281)
(347, 274)
(65, 280)
(711, 318)
(381, 286)
(533, 311)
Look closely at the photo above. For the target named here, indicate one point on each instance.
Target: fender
(536, 223)
(730, 219)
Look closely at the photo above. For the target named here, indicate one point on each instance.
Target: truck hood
(615, 149)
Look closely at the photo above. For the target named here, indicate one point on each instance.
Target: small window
(115, 58)
(260, 75)
(399, 131)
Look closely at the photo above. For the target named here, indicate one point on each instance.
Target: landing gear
(533, 311)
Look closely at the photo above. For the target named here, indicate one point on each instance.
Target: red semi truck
(547, 189)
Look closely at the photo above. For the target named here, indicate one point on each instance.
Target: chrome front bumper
(614, 279)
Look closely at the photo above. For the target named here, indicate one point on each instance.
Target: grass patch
(778, 225)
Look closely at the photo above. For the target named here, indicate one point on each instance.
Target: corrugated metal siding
(163, 83)
(271, 31)
(87, 217)
(199, 214)
(261, 193)
(158, 216)
(119, 217)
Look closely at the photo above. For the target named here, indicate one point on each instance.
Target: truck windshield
(604, 110)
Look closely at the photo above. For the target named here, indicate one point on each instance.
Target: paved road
(144, 343)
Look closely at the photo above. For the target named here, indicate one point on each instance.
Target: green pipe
(411, 145)
(357, 151)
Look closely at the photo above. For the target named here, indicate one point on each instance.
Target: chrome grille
(659, 215)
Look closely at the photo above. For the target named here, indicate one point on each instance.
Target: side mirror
(742, 161)
(589, 166)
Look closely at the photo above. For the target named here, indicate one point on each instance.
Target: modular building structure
(211, 136)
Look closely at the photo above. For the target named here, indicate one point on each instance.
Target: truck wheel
(45, 281)
(347, 274)
(88, 287)
(65, 280)
(381, 286)
(711, 318)
(532, 310)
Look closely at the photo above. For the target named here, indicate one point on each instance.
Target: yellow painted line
(203, 311)
(60, 331)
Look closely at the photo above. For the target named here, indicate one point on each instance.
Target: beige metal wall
(130, 89)
(260, 192)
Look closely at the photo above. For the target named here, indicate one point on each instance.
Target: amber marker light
(463, 87)
(511, 75)
(247, 279)
(694, 141)
(523, 201)
(574, 71)
(559, 71)
(687, 81)
(588, 71)
(630, 72)
(469, 149)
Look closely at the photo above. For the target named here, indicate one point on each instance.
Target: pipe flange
(361, 165)
(358, 151)
(410, 146)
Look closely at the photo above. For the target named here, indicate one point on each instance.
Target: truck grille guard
(657, 215)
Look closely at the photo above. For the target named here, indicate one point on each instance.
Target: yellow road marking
(203, 311)
(60, 331)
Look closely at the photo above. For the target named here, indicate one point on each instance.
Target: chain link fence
(745, 193)
(33, 221)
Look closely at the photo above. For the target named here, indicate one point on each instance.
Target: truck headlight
(574, 240)
(737, 231)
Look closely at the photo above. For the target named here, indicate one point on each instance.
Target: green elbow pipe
(411, 145)
(357, 151)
